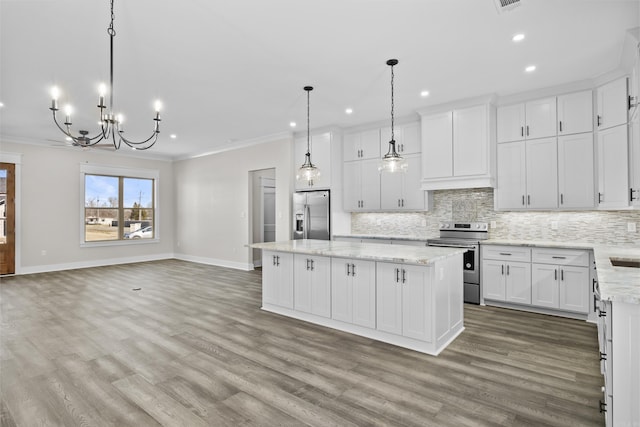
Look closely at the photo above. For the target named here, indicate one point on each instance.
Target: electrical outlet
(493, 224)
(631, 227)
(554, 225)
(424, 222)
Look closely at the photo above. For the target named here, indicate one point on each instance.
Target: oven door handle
(444, 245)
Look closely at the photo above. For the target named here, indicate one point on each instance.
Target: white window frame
(92, 169)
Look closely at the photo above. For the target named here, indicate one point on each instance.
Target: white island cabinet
(403, 295)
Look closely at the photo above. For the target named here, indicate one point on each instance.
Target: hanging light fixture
(308, 171)
(111, 125)
(392, 161)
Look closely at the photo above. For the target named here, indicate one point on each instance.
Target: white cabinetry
(320, 149)
(353, 291)
(533, 119)
(634, 150)
(506, 274)
(312, 284)
(458, 148)
(612, 104)
(361, 145)
(361, 185)
(576, 180)
(575, 113)
(407, 137)
(613, 168)
(402, 191)
(560, 279)
(277, 283)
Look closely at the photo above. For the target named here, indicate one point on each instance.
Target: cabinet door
(341, 290)
(493, 283)
(575, 113)
(363, 279)
(437, 140)
(470, 141)
(370, 144)
(634, 150)
(512, 176)
(370, 185)
(277, 279)
(411, 138)
(541, 118)
(321, 286)
(391, 189)
(518, 282)
(613, 172)
(388, 298)
(270, 279)
(544, 285)
(412, 192)
(416, 292)
(351, 146)
(352, 183)
(612, 104)
(511, 122)
(574, 289)
(576, 167)
(542, 173)
(302, 283)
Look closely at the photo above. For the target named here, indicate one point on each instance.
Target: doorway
(7, 218)
(263, 211)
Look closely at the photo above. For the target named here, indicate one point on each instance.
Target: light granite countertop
(385, 237)
(369, 251)
(616, 283)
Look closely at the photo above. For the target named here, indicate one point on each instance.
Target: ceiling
(232, 71)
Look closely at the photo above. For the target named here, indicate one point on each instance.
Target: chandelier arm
(134, 144)
(79, 140)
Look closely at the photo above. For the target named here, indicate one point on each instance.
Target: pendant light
(308, 171)
(392, 161)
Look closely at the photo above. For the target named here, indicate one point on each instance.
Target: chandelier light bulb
(120, 118)
(102, 89)
(55, 94)
(158, 106)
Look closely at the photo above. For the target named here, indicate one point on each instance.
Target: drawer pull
(603, 356)
(505, 253)
(603, 407)
(559, 257)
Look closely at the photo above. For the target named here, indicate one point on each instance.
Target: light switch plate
(631, 227)
(493, 224)
(554, 225)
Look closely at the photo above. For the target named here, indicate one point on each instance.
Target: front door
(7, 218)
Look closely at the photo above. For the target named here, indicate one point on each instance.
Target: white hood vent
(506, 5)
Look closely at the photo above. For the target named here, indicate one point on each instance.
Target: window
(119, 205)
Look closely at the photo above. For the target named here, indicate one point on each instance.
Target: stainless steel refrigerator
(311, 215)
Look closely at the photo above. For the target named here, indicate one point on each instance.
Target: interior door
(7, 218)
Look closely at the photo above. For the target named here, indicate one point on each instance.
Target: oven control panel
(464, 226)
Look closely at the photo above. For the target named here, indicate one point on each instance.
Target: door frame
(16, 159)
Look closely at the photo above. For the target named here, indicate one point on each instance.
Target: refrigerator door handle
(307, 222)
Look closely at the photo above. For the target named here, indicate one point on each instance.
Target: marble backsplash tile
(477, 205)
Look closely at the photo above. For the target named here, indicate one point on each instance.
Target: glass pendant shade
(308, 172)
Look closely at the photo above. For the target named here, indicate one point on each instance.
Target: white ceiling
(228, 71)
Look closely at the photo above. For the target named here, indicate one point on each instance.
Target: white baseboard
(93, 263)
(246, 266)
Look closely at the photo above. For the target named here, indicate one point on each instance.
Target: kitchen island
(407, 296)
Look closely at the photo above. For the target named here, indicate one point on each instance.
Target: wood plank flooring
(193, 348)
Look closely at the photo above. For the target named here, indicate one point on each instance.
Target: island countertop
(369, 251)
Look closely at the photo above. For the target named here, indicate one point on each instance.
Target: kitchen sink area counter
(408, 296)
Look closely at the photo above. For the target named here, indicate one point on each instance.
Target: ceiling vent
(506, 5)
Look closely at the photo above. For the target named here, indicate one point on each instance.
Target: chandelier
(111, 124)
(392, 161)
(308, 171)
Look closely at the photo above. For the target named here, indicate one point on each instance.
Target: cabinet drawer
(506, 253)
(579, 258)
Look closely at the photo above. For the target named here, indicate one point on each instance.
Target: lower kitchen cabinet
(506, 274)
(277, 274)
(403, 292)
(312, 284)
(353, 291)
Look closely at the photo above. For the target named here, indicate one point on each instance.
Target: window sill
(104, 243)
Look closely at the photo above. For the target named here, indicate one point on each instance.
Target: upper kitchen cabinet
(407, 137)
(576, 171)
(402, 191)
(361, 189)
(612, 101)
(458, 147)
(362, 145)
(529, 120)
(634, 152)
(575, 113)
(613, 168)
(320, 149)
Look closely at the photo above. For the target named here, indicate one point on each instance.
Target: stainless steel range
(465, 235)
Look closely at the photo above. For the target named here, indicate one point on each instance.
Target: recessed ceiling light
(1, 104)
(518, 37)
(530, 68)
(349, 110)
(424, 93)
(292, 124)
(173, 136)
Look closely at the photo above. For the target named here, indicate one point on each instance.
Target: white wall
(213, 202)
(50, 202)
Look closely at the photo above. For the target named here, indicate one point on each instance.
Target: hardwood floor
(193, 348)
